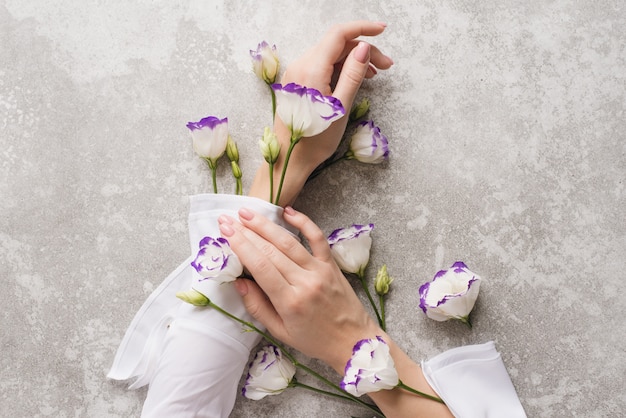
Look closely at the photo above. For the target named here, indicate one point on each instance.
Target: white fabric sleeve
(473, 382)
(191, 357)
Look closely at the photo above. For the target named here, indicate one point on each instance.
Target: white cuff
(473, 382)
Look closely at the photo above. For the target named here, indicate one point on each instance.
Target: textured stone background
(507, 129)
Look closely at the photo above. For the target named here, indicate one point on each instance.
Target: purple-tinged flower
(265, 62)
(268, 374)
(368, 144)
(217, 261)
(370, 369)
(210, 137)
(451, 294)
(306, 112)
(350, 248)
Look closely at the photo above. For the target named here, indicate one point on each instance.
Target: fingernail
(383, 24)
(362, 52)
(289, 211)
(224, 219)
(241, 287)
(245, 214)
(227, 230)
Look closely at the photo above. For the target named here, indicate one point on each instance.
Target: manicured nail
(227, 230)
(362, 53)
(289, 211)
(241, 287)
(245, 214)
(224, 219)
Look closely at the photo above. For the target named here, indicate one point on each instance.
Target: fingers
(353, 72)
(334, 41)
(257, 263)
(258, 305)
(279, 244)
(310, 231)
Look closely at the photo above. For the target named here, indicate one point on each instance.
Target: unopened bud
(382, 281)
(231, 150)
(193, 297)
(359, 110)
(236, 169)
(270, 147)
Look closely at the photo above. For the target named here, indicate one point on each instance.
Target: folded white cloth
(192, 357)
(473, 382)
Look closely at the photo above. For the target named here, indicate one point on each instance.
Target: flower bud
(359, 109)
(236, 169)
(270, 147)
(231, 150)
(265, 62)
(382, 281)
(193, 297)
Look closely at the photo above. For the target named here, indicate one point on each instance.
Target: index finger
(258, 264)
(333, 44)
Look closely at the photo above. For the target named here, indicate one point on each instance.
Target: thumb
(257, 304)
(352, 74)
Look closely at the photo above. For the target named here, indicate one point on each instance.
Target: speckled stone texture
(507, 133)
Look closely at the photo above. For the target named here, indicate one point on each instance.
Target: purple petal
(209, 122)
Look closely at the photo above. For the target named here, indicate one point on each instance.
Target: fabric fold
(192, 357)
(473, 382)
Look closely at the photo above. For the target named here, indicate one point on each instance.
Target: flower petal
(305, 111)
(451, 294)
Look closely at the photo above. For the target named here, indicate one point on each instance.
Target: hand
(303, 299)
(339, 57)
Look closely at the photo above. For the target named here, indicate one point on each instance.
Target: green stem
(271, 180)
(291, 358)
(465, 320)
(328, 383)
(369, 296)
(295, 383)
(381, 302)
(417, 392)
(324, 166)
(273, 101)
(292, 144)
(239, 187)
(213, 168)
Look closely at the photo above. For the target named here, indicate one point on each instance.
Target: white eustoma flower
(269, 374)
(370, 369)
(265, 62)
(306, 112)
(451, 294)
(210, 137)
(350, 248)
(217, 261)
(368, 145)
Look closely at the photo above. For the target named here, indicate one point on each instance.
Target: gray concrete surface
(507, 128)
